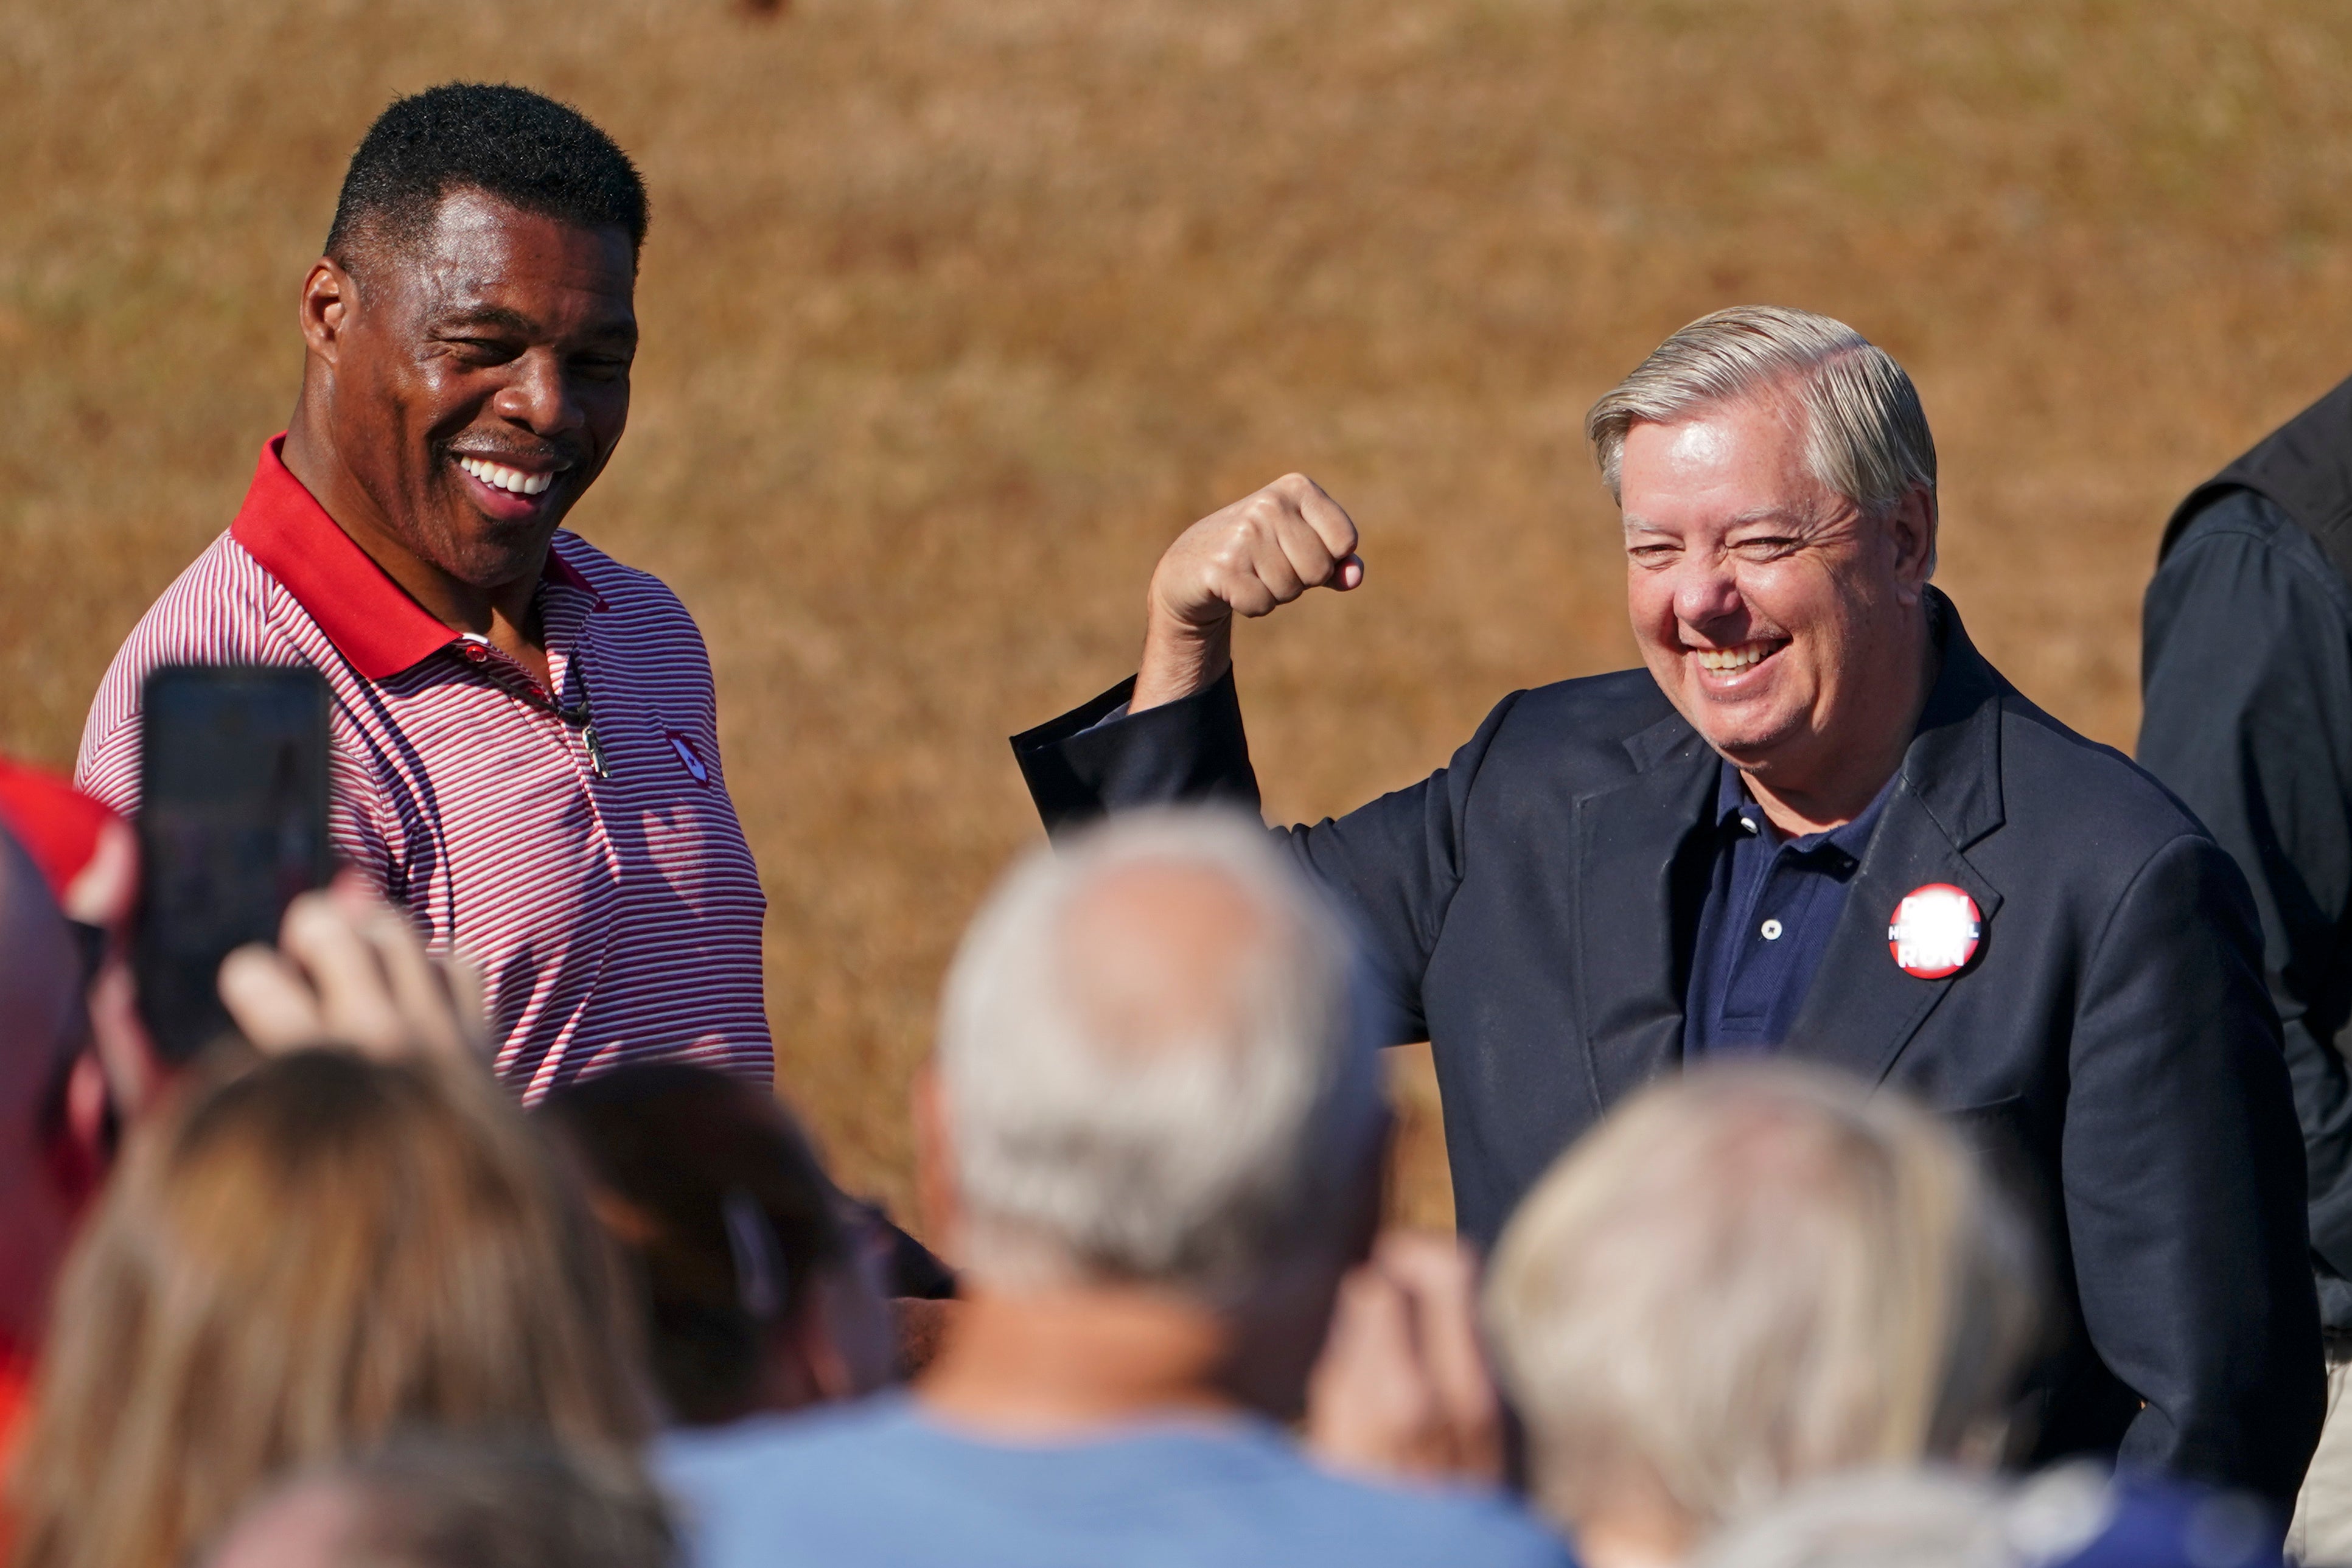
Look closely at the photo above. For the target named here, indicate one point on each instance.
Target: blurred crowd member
(526, 753)
(68, 1080)
(760, 1290)
(1891, 1518)
(2246, 676)
(424, 1502)
(2075, 1516)
(292, 1264)
(89, 858)
(50, 1134)
(88, 854)
(1402, 1388)
(1154, 1134)
(1747, 1278)
(1817, 822)
(348, 970)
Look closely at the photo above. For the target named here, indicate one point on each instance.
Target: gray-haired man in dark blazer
(1818, 822)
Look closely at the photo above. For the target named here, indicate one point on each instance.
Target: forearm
(1087, 763)
(1247, 558)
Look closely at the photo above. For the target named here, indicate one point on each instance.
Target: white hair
(1193, 1146)
(1944, 1518)
(1754, 1274)
(1875, 1518)
(1866, 437)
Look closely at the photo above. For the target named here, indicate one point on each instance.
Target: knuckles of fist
(1263, 551)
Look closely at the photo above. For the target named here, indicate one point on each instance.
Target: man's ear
(935, 1186)
(330, 296)
(1911, 534)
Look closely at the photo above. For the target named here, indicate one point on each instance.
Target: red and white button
(1935, 930)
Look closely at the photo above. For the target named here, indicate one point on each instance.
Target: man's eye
(1652, 555)
(603, 366)
(483, 351)
(1763, 549)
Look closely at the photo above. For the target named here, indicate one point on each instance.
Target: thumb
(1350, 575)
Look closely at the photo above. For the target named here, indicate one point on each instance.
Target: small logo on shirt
(682, 746)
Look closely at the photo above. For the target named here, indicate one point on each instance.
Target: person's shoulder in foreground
(884, 1482)
(2075, 1516)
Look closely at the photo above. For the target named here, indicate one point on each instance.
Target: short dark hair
(520, 146)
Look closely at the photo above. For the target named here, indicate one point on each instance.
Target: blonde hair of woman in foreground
(294, 1264)
(1748, 1277)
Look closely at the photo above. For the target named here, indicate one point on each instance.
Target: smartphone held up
(232, 827)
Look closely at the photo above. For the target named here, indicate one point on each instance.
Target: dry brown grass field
(956, 310)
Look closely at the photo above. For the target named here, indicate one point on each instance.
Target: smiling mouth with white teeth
(1726, 661)
(499, 476)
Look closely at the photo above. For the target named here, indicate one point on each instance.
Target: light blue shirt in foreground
(883, 1483)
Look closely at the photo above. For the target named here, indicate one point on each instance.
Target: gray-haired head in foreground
(442, 1501)
(1874, 1519)
(1753, 1275)
(1866, 436)
(1151, 1064)
(1941, 1517)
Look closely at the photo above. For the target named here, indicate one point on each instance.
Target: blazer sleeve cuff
(1085, 763)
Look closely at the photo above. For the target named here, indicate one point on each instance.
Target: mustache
(563, 455)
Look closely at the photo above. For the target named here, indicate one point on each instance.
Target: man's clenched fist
(1263, 550)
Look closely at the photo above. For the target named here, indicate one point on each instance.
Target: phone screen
(232, 826)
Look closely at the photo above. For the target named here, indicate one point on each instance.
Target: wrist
(1180, 660)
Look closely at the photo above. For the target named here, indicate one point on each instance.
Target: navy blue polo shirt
(1766, 923)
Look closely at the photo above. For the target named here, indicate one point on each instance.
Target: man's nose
(540, 397)
(1706, 589)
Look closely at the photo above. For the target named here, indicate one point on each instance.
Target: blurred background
(956, 311)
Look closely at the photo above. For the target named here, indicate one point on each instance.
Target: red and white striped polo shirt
(616, 918)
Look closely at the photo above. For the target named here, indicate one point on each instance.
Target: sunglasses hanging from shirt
(579, 716)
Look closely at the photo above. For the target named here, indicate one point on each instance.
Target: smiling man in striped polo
(525, 737)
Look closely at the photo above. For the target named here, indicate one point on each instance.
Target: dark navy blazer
(1533, 909)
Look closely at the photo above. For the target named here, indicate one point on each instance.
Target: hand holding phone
(351, 969)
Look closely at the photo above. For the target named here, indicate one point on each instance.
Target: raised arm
(1174, 733)
(1261, 552)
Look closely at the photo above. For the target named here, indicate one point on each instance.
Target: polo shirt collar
(1733, 803)
(371, 619)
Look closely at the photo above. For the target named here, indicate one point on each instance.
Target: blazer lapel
(1861, 1010)
(1635, 895)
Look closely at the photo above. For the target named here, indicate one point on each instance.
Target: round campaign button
(1935, 930)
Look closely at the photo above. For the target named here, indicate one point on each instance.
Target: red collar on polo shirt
(369, 618)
